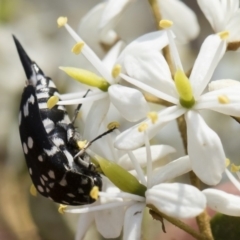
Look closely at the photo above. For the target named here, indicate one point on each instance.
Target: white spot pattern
(42, 181)
(30, 142)
(48, 125)
(63, 182)
(71, 195)
(40, 188)
(25, 107)
(51, 152)
(25, 149)
(40, 158)
(58, 141)
(44, 177)
(51, 174)
(30, 171)
(69, 158)
(42, 105)
(42, 95)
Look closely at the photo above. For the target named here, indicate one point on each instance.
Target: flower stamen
(52, 101)
(62, 208)
(116, 70)
(223, 99)
(33, 190)
(61, 21)
(142, 127)
(153, 116)
(165, 23)
(94, 192)
(223, 35)
(77, 48)
(235, 168)
(112, 125)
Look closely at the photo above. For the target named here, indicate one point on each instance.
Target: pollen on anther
(116, 70)
(94, 192)
(61, 21)
(112, 125)
(62, 209)
(165, 23)
(227, 162)
(82, 144)
(223, 35)
(153, 116)
(142, 127)
(77, 48)
(52, 101)
(223, 99)
(235, 168)
(33, 190)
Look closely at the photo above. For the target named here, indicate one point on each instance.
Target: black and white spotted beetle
(49, 142)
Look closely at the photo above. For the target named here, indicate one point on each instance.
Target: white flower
(153, 75)
(223, 15)
(129, 102)
(99, 24)
(223, 202)
(174, 199)
(186, 27)
(101, 20)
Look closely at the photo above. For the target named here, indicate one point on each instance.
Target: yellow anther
(61, 21)
(62, 208)
(223, 35)
(142, 127)
(227, 162)
(223, 99)
(165, 23)
(153, 116)
(94, 192)
(82, 144)
(33, 190)
(116, 70)
(112, 125)
(235, 168)
(77, 48)
(52, 101)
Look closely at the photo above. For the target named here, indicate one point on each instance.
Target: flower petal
(176, 199)
(84, 222)
(88, 28)
(133, 222)
(205, 149)
(112, 55)
(132, 138)
(157, 151)
(223, 202)
(151, 68)
(233, 28)
(226, 101)
(211, 52)
(222, 83)
(109, 222)
(214, 13)
(110, 16)
(188, 28)
(129, 102)
(172, 170)
(150, 41)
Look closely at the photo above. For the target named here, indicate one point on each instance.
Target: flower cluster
(126, 81)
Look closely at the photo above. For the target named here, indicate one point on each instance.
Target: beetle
(50, 141)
